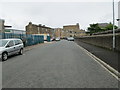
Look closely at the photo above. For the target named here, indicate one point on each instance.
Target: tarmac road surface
(55, 65)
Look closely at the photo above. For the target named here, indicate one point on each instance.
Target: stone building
(58, 32)
(103, 25)
(39, 29)
(73, 31)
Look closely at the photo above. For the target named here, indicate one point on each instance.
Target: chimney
(78, 25)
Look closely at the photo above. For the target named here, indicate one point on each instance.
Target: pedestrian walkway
(108, 56)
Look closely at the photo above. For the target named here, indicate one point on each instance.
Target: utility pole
(113, 27)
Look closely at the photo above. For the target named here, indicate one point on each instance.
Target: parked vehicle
(53, 39)
(9, 47)
(70, 38)
(57, 39)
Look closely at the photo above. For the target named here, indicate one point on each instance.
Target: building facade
(58, 32)
(39, 29)
(103, 25)
(73, 31)
(119, 14)
(15, 31)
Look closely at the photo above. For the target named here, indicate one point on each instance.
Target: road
(56, 65)
(108, 56)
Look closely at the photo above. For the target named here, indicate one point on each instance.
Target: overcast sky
(56, 14)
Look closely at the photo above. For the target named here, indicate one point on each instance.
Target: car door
(10, 47)
(17, 46)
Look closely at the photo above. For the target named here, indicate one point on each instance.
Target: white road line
(0, 75)
(107, 67)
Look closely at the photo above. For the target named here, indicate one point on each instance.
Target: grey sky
(57, 14)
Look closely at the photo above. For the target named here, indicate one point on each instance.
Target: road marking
(107, 67)
(0, 75)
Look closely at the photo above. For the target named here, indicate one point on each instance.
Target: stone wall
(105, 41)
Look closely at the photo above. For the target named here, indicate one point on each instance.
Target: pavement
(33, 46)
(108, 56)
(61, 64)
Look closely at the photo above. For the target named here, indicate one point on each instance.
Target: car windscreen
(3, 43)
(70, 38)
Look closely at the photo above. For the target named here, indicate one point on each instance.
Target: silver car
(9, 47)
(70, 38)
(57, 39)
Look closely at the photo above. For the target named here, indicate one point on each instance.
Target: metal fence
(48, 38)
(28, 40)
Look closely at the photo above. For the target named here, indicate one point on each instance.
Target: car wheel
(4, 56)
(21, 51)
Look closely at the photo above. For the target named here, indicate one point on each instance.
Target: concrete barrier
(105, 41)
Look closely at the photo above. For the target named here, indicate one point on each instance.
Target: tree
(110, 26)
(96, 28)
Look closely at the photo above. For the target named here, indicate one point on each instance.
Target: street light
(118, 19)
(113, 26)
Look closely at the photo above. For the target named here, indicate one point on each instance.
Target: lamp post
(118, 19)
(113, 26)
